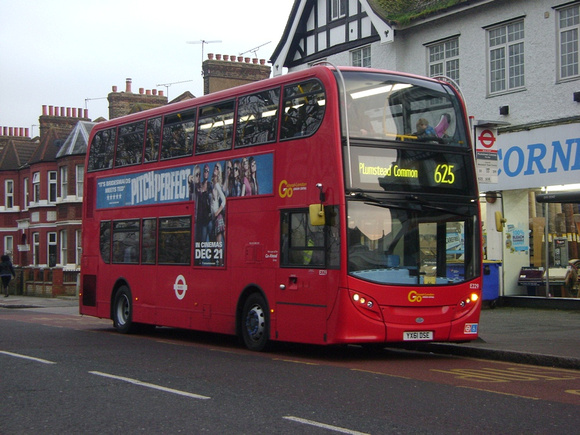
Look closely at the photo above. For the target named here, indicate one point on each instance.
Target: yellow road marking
(510, 374)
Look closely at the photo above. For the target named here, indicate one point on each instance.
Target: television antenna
(166, 86)
(203, 42)
(255, 49)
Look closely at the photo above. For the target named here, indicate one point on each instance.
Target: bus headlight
(366, 305)
(466, 304)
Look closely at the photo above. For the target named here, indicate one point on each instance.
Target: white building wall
(542, 99)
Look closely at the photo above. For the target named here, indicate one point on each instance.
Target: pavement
(538, 336)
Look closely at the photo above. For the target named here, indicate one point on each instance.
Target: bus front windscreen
(380, 105)
(407, 243)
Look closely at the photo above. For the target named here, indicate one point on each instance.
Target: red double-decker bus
(331, 205)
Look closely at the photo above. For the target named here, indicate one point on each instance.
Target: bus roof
(323, 70)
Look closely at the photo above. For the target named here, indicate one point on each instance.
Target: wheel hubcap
(255, 322)
(123, 310)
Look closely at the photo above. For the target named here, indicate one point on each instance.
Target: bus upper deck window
(215, 127)
(304, 107)
(178, 131)
(102, 150)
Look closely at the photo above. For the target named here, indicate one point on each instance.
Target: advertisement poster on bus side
(208, 185)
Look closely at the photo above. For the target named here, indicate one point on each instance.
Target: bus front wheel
(255, 323)
(123, 310)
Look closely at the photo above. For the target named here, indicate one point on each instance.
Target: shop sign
(538, 157)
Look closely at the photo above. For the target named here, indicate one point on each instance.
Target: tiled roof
(49, 147)
(16, 153)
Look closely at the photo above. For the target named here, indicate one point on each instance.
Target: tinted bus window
(102, 150)
(404, 109)
(305, 245)
(175, 240)
(257, 118)
(304, 105)
(216, 125)
(153, 139)
(105, 241)
(178, 131)
(126, 242)
(149, 241)
(130, 144)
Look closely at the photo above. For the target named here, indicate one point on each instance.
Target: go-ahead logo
(414, 296)
(286, 190)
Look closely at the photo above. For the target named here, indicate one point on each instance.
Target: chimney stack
(123, 103)
(223, 74)
(61, 118)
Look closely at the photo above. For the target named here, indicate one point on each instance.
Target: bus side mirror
(499, 221)
(316, 212)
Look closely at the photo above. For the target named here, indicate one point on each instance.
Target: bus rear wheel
(255, 323)
(123, 311)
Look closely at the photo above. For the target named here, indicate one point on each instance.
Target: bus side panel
(304, 299)
(252, 254)
(346, 324)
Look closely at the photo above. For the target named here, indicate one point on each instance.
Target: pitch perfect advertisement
(209, 185)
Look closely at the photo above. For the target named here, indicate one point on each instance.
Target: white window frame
(506, 62)
(25, 194)
(36, 187)
(80, 180)
(338, 9)
(8, 245)
(568, 22)
(63, 182)
(79, 246)
(443, 59)
(51, 244)
(35, 248)
(52, 186)
(361, 57)
(63, 247)
(9, 194)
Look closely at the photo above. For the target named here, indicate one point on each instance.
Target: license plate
(417, 335)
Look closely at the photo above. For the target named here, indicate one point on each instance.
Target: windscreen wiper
(427, 205)
(373, 200)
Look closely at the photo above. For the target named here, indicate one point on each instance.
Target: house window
(568, 29)
(9, 194)
(444, 59)
(337, 9)
(52, 186)
(52, 249)
(25, 195)
(36, 187)
(63, 247)
(8, 245)
(80, 175)
(361, 57)
(78, 246)
(63, 182)
(506, 57)
(36, 248)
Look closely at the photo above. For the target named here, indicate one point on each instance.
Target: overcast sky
(70, 53)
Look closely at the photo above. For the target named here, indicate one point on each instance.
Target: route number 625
(444, 174)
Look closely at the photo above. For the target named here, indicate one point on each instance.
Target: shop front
(530, 207)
